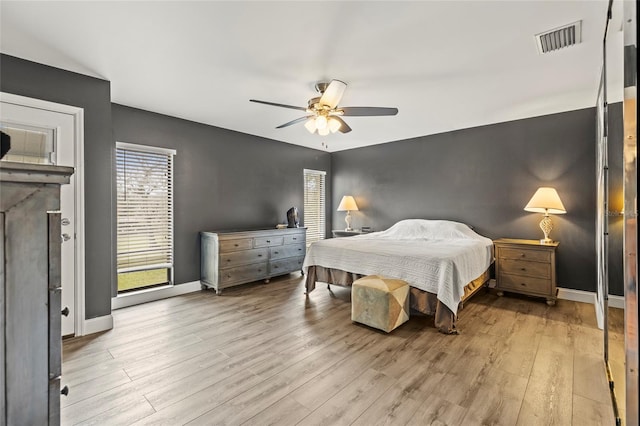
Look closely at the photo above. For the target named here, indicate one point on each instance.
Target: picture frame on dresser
(229, 259)
(526, 267)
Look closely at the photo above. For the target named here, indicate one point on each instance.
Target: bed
(444, 262)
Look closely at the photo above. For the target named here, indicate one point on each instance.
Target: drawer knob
(275, 252)
(523, 284)
(268, 241)
(523, 269)
(65, 311)
(259, 255)
(228, 260)
(276, 267)
(259, 270)
(228, 275)
(299, 249)
(236, 245)
(294, 238)
(65, 391)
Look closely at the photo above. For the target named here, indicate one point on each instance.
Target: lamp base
(546, 241)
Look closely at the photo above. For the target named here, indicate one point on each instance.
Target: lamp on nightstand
(545, 200)
(347, 204)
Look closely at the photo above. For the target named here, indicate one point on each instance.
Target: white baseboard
(98, 324)
(588, 297)
(150, 295)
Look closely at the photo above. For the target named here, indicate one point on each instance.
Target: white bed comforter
(437, 256)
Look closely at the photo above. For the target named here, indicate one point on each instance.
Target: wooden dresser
(233, 258)
(526, 267)
(30, 255)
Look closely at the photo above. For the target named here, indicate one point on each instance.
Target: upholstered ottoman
(380, 302)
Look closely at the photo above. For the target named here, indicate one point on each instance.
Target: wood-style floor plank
(265, 354)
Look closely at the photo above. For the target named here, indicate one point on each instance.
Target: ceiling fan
(323, 113)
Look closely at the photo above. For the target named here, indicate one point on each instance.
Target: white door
(44, 136)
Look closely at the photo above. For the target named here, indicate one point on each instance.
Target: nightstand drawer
(531, 255)
(524, 284)
(530, 269)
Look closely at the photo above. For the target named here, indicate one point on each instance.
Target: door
(48, 137)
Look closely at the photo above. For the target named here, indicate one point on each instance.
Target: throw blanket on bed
(437, 256)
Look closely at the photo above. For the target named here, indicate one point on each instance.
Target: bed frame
(420, 301)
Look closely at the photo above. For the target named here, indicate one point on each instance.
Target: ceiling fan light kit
(323, 112)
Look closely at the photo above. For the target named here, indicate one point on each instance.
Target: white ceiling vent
(556, 39)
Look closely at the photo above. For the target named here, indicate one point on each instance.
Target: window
(314, 205)
(144, 180)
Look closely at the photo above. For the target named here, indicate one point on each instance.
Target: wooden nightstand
(526, 267)
(342, 233)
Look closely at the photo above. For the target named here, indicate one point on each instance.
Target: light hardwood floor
(264, 354)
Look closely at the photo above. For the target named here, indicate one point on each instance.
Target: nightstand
(337, 233)
(526, 267)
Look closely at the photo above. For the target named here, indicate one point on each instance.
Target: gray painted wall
(484, 176)
(35, 80)
(223, 179)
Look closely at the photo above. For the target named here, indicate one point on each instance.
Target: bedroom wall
(223, 179)
(39, 81)
(484, 176)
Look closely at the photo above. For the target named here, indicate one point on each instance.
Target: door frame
(78, 140)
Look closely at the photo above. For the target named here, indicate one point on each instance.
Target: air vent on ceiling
(565, 36)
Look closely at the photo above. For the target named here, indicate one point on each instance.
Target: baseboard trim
(151, 295)
(588, 297)
(98, 324)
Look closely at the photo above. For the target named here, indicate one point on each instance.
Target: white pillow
(429, 229)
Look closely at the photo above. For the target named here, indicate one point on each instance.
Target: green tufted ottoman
(380, 302)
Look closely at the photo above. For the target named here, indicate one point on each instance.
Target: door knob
(65, 391)
(65, 311)
(66, 237)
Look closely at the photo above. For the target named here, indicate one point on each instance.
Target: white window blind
(314, 205)
(145, 207)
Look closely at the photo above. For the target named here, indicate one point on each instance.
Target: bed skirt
(420, 300)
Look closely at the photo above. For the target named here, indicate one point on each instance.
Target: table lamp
(545, 200)
(347, 204)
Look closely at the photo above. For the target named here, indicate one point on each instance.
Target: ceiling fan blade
(333, 93)
(278, 105)
(297, 120)
(344, 127)
(368, 111)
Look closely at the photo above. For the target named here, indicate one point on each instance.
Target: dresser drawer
(267, 241)
(284, 266)
(524, 284)
(235, 245)
(295, 239)
(246, 273)
(521, 267)
(286, 251)
(236, 258)
(525, 254)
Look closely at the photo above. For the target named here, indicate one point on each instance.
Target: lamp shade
(545, 200)
(347, 203)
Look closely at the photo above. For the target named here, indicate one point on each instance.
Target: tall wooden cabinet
(233, 258)
(30, 351)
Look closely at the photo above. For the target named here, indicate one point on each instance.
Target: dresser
(30, 349)
(526, 267)
(233, 258)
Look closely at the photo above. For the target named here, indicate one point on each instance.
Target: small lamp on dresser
(348, 203)
(546, 200)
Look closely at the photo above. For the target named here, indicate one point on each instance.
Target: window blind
(314, 205)
(145, 208)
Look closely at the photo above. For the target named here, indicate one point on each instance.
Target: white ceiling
(446, 65)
